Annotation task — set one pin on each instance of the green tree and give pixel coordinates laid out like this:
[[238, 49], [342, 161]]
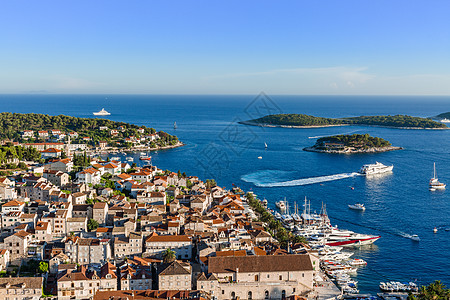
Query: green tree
[[92, 225], [43, 267], [434, 291], [168, 255]]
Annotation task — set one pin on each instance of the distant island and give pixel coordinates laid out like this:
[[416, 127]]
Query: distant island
[[41, 128], [444, 115], [307, 121], [348, 144]]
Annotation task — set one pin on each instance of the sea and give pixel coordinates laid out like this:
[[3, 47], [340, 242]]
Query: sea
[[398, 205]]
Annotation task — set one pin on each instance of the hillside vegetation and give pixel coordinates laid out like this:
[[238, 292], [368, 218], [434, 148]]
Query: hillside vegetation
[[12, 124], [355, 140]]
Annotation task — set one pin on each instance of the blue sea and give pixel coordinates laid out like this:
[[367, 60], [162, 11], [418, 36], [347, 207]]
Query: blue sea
[[398, 205]]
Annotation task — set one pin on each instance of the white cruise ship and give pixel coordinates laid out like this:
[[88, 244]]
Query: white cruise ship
[[376, 168], [445, 120], [103, 112]]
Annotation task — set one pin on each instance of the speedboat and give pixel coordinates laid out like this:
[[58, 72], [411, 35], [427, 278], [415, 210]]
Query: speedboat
[[103, 112], [434, 182], [376, 168], [415, 238], [144, 157], [259, 157], [357, 206]]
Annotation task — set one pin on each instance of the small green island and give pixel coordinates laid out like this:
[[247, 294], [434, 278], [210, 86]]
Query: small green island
[[349, 144], [307, 121]]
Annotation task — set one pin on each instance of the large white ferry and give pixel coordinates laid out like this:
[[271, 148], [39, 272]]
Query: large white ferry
[[445, 120], [376, 168], [103, 112]]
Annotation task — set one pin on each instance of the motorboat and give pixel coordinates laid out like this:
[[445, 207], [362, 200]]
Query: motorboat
[[103, 112], [415, 238], [434, 182], [259, 157], [145, 157], [376, 168], [357, 262], [130, 158], [357, 206], [445, 120], [281, 205]]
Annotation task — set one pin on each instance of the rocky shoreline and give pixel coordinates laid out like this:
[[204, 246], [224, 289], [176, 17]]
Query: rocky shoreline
[[350, 150]]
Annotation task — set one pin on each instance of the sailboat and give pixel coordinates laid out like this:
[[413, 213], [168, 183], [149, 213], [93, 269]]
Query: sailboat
[[175, 125], [434, 182], [265, 145]]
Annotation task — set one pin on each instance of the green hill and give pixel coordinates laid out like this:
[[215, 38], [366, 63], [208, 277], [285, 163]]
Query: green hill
[[398, 121], [13, 124]]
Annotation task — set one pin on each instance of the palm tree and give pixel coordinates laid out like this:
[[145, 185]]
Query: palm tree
[[169, 255], [434, 291]]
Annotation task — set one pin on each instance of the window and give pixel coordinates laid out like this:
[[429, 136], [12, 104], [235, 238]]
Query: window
[[303, 274], [293, 290], [283, 294], [249, 295], [233, 295], [266, 294], [281, 277], [256, 277]]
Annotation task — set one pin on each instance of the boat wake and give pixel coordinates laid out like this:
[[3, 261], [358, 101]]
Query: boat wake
[[302, 181]]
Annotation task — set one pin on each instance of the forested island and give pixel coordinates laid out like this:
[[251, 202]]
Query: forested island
[[444, 115], [355, 143], [40, 127], [307, 121]]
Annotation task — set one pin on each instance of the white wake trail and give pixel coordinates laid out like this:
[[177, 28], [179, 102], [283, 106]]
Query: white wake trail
[[306, 181]]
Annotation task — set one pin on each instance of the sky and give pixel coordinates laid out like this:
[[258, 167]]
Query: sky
[[326, 47]]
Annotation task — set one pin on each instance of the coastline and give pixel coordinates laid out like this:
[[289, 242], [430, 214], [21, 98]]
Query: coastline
[[337, 125], [354, 151], [112, 150]]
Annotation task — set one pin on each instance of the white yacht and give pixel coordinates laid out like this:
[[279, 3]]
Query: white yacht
[[281, 205], [103, 112], [434, 182], [445, 120], [376, 168], [357, 206]]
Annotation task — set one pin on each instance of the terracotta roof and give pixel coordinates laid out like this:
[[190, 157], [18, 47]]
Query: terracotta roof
[[250, 264], [22, 234], [22, 282], [167, 238], [51, 150], [232, 253], [174, 268], [100, 205], [13, 203]]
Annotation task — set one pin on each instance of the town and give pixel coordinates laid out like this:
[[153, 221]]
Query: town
[[74, 226]]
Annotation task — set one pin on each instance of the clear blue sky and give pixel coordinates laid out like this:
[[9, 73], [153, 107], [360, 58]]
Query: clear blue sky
[[225, 47]]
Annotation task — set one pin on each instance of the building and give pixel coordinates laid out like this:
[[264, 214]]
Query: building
[[57, 178], [64, 165], [156, 244], [175, 276], [100, 212], [128, 246], [258, 277], [50, 153], [21, 288], [84, 283]]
